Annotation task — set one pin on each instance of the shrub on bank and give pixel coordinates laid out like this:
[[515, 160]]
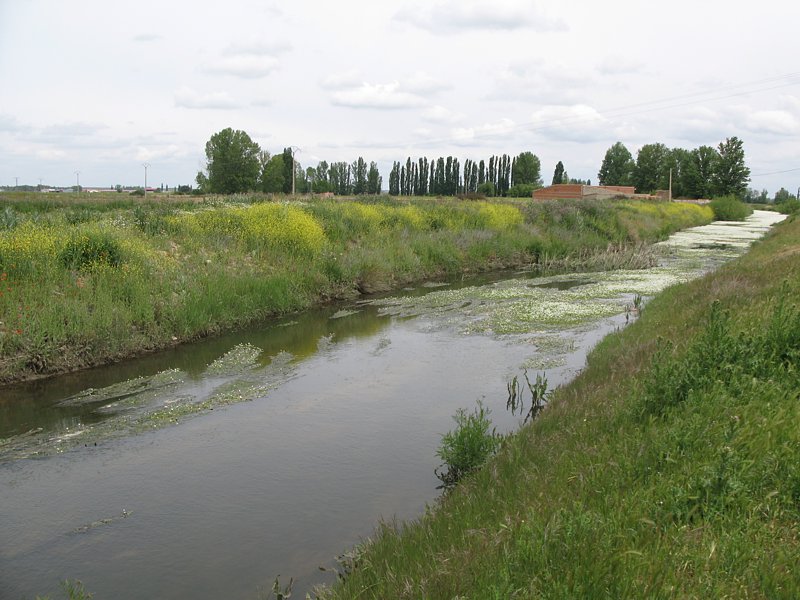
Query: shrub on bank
[[730, 208], [789, 207]]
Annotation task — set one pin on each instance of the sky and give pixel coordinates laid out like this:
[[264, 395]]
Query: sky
[[103, 87]]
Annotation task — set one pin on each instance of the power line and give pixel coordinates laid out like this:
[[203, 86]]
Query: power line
[[752, 87], [775, 172]]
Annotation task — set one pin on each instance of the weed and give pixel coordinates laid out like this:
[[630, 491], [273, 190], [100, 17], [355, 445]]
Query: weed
[[8, 218], [73, 589], [538, 392], [467, 447], [91, 249]]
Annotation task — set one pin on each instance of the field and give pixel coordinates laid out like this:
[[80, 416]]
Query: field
[[90, 280]]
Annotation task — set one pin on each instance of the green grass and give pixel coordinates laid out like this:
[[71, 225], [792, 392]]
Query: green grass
[[670, 468], [86, 280]]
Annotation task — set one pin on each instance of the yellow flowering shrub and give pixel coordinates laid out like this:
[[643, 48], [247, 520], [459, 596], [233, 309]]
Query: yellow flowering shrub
[[27, 246], [285, 226], [499, 217]]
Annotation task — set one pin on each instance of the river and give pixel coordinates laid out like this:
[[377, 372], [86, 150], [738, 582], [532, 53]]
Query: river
[[208, 470]]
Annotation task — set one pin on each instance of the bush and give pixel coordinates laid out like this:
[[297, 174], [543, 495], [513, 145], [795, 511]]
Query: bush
[[730, 208], [521, 190], [467, 447], [91, 249], [789, 207], [8, 218], [486, 189]]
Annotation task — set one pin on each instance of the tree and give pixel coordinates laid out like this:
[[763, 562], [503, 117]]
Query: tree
[[273, 175], [679, 161], [731, 174], [652, 168], [374, 180], [232, 163], [699, 172], [783, 195], [394, 179], [617, 167], [288, 168], [321, 182], [359, 171], [558, 174]]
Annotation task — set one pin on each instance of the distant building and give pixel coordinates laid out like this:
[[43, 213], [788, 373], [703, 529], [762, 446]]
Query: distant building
[[576, 191]]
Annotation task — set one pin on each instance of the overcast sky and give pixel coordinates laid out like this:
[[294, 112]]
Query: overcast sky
[[101, 87]]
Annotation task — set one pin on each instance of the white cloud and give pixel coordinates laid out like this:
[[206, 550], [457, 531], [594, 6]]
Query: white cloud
[[386, 96], [69, 130], [342, 81], [146, 37], [501, 129], [454, 16], [244, 65], [777, 122], [9, 123], [186, 97], [576, 123], [50, 154], [160, 154], [440, 114], [251, 60], [425, 84], [620, 65], [257, 48], [549, 83]]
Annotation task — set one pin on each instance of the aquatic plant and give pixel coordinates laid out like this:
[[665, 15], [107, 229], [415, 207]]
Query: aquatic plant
[[538, 391]]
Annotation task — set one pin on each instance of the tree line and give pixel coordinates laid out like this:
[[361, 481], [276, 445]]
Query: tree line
[[702, 172], [235, 163], [499, 176]]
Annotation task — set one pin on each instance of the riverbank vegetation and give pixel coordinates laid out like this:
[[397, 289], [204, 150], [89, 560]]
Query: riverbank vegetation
[[730, 208], [92, 281], [669, 468]]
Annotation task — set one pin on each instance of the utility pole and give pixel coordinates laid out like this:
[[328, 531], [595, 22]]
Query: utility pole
[[78, 181], [670, 185], [294, 166], [145, 165], [16, 183]]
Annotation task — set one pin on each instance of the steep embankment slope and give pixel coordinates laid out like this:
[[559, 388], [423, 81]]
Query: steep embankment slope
[[669, 468]]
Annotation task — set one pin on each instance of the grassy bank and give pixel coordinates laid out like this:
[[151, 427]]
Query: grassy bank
[[669, 468], [90, 280]]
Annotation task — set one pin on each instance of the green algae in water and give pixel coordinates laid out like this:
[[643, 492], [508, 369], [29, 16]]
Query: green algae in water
[[126, 389], [149, 403], [344, 313], [519, 306], [241, 357]]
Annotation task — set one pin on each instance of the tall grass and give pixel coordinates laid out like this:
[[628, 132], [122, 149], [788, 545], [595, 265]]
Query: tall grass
[[670, 468], [88, 280]]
